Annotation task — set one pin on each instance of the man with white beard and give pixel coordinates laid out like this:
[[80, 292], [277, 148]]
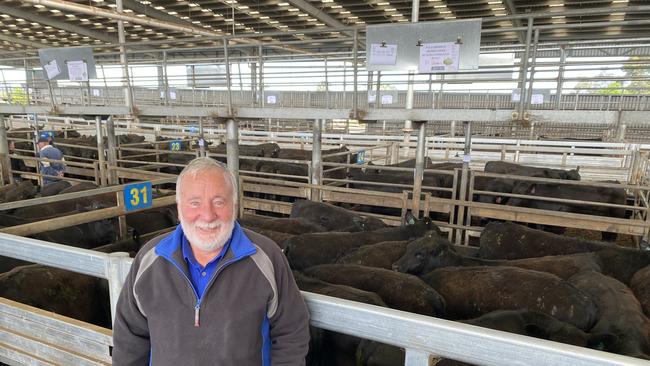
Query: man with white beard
[[210, 292]]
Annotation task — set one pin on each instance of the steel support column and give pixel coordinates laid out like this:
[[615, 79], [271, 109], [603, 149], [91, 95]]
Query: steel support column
[[464, 180], [529, 95], [4, 152], [100, 151], [232, 149], [316, 159], [111, 152], [128, 92], [228, 81], [523, 72], [560, 77], [418, 174], [408, 124]]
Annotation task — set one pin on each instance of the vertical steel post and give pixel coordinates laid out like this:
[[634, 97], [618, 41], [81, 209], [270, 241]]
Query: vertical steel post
[[228, 81], [408, 124], [418, 174], [463, 181], [327, 85], [261, 73], [560, 77], [111, 152], [529, 95], [253, 82], [232, 148], [4, 152], [166, 79], [355, 68], [316, 159], [524, 69], [100, 150], [27, 81], [378, 91], [116, 272], [128, 92], [201, 138]]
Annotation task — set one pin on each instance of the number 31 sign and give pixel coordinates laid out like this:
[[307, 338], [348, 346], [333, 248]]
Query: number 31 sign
[[137, 196]]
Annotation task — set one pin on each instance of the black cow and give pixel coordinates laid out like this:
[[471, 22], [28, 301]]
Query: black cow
[[334, 218], [398, 290], [572, 192], [380, 255], [308, 250], [474, 291], [512, 241], [433, 251], [619, 313], [294, 226], [640, 285], [504, 167]]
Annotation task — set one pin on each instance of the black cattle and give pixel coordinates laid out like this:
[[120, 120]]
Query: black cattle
[[327, 347], [398, 290], [308, 250], [17, 191], [334, 218], [39, 212], [572, 192], [512, 241], [504, 167], [619, 313], [474, 291], [433, 251], [640, 285], [278, 237], [63, 292], [292, 226], [152, 220], [54, 188], [380, 255]]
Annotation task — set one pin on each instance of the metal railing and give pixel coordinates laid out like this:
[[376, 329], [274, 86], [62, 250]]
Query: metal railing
[[422, 337]]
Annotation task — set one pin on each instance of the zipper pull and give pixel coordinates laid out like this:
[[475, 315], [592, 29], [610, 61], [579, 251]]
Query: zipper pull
[[196, 315]]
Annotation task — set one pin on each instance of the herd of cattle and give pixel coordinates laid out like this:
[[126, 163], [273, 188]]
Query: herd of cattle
[[520, 280]]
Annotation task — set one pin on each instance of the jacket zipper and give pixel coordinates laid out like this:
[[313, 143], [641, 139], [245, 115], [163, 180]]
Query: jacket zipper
[[197, 307]]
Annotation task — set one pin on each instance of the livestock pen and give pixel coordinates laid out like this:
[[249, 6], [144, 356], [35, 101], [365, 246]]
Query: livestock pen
[[31, 336]]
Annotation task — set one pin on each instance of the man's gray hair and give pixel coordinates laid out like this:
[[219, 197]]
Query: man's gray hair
[[204, 164]]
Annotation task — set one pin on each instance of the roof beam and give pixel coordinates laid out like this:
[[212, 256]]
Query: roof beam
[[316, 13], [510, 7], [154, 13], [24, 42], [36, 17]]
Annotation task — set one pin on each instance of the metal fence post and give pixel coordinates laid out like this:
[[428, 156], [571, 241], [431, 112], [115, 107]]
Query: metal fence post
[[316, 159], [464, 181], [4, 153], [232, 147], [112, 148], [100, 150], [419, 167], [116, 272]]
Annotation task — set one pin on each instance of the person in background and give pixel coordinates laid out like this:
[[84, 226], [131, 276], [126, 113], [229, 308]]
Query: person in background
[[211, 292], [50, 170]]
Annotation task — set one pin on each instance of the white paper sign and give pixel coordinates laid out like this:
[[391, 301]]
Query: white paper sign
[[270, 99], [372, 98], [51, 69], [96, 93], [77, 70], [172, 95], [439, 57], [383, 55], [537, 99], [387, 99], [515, 97]]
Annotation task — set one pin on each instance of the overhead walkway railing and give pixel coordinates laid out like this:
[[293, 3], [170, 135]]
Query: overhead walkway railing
[[32, 337]]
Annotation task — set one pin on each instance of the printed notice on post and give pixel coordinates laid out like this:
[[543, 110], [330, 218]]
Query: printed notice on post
[[439, 57], [51, 69], [383, 54], [77, 70]]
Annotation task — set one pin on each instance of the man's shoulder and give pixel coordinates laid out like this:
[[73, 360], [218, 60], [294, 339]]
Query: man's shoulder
[[264, 243]]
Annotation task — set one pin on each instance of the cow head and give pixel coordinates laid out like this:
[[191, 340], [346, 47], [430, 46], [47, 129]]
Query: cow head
[[573, 174], [426, 254], [522, 188]]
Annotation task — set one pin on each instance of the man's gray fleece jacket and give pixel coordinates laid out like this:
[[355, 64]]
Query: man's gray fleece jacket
[[251, 312]]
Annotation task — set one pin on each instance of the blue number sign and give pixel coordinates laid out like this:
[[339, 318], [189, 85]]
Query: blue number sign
[[175, 145], [137, 196], [361, 157]]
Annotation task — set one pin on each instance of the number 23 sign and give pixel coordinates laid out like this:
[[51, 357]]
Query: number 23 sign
[[137, 196]]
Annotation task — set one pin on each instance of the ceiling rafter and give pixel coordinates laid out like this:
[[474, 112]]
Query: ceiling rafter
[[36, 17]]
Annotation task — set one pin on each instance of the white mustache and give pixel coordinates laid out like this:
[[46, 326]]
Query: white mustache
[[208, 225]]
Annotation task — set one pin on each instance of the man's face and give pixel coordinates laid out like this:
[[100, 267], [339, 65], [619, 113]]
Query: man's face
[[206, 210]]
